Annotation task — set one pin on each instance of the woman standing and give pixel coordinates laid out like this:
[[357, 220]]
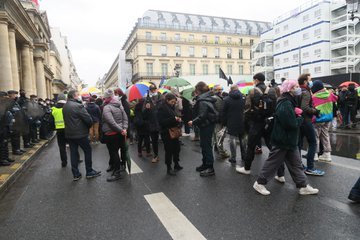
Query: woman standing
[[168, 120], [114, 127], [284, 139]]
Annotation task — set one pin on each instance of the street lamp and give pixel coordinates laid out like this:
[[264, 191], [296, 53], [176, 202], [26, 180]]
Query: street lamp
[[352, 6], [177, 70]]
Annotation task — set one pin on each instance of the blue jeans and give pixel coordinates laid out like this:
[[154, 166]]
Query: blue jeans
[[307, 130], [74, 155], [206, 134]]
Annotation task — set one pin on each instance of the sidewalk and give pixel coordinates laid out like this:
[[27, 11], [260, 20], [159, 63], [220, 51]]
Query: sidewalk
[[9, 174], [346, 131]]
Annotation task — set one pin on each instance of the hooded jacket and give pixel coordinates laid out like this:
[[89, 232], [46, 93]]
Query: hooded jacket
[[114, 118], [306, 104], [323, 100], [204, 110], [233, 113], [94, 111]]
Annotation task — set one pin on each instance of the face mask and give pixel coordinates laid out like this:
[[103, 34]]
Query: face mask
[[310, 84], [297, 92], [79, 99]]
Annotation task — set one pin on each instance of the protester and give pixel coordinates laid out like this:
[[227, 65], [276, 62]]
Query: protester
[[114, 127], [142, 129], [307, 129], [59, 125], [323, 101], [233, 119], [23, 101], [6, 121], [77, 124], [18, 114], [168, 121], [186, 115], [95, 113], [284, 138], [205, 117], [351, 103], [259, 107]]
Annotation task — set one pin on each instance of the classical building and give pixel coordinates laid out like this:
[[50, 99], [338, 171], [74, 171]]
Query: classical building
[[56, 67], [24, 48], [196, 45]]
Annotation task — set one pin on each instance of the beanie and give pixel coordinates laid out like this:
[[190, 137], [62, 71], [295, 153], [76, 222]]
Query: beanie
[[317, 86], [287, 85], [109, 93]]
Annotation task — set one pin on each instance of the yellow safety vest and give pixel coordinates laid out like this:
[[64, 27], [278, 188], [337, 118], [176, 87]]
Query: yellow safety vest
[[58, 117]]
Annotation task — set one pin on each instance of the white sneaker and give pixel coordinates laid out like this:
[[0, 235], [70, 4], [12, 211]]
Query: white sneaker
[[186, 134], [242, 170], [308, 190], [325, 157], [280, 179], [261, 189], [316, 157]]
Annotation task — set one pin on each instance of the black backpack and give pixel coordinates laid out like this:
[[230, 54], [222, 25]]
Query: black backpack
[[262, 105]]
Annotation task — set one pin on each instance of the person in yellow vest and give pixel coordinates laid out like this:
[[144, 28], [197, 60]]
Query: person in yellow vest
[[58, 119]]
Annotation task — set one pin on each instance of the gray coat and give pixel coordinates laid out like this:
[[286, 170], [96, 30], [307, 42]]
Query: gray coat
[[77, 120], [114, 118]]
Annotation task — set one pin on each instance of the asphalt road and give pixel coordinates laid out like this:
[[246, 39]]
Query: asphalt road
[[46, 204]]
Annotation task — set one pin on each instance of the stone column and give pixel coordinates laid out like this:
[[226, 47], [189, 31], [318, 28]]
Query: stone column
[[5, 60], [13, 56], [40, 77], [27, 83], [33, 73]]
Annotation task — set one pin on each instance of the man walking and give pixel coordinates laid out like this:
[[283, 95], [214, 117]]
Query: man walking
[[78, 121]]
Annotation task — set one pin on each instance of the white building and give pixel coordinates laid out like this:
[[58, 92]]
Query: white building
[[317, 38]]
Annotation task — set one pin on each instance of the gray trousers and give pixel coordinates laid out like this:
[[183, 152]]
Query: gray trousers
[[276, 158], [219, 148], [322, 135]]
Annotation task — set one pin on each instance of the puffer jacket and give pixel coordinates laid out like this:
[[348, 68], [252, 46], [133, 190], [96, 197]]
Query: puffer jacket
[[324, 100], [114, 118], [204, 110], [306, 104], [233, 113], [77, 120], [94, 111]]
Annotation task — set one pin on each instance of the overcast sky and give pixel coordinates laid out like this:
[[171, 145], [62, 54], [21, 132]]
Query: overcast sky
[[97, 29]]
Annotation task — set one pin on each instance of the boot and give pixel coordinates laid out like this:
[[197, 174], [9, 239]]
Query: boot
[[115, 176], [4, 163], [200, 168], [177, 167], [170, 171]]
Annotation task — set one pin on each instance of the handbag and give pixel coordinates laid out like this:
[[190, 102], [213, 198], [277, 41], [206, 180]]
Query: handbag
[[175, 132]]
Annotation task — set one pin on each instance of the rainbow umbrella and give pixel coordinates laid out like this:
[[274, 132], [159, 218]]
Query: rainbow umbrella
[[245, 90], [90, 90], [137, 91], [211, 85], [163, 90]]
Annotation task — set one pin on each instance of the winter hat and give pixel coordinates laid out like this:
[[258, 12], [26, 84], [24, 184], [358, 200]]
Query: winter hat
[[109, 93], [317, 86], [287, 85], [61, 98]]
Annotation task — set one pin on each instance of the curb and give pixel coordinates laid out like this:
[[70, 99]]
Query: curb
[[18, 172]]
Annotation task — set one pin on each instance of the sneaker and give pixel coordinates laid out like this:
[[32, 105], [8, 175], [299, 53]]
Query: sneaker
[[155, 159], [232, 160], [316, 157], [308, 190], [77, 178], [201, 168], [178, 168], [207, 172], [354, 198], [186, 134], [280, 179], [261, 189], [115, 176], [325, 157], [314, 172], [242, 170], [93, 174], [63, 164], [4, 163]]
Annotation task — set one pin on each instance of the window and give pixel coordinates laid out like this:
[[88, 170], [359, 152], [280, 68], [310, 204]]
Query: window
[[286, 60], [217, 52], [317, 69], [241, 41], [177, 37], [148, 49], [191, 37], [192, 69], [164, 69], [228, 40], [286, 74], [229, 69], [277, 30], [296, 57], [317, 32], [277, 46], [204, 39], [191, 52], [217, 67], [277, 61], [148, 35], [317, 52], [305, 36], [163, 50], [306, 70], [317, 13], [163, 36], [286, 27], [286, 43], [204, 52], [189, 25], [149, 69], [251, 42], [228, 53], [306, 18], [277, 76], [305, 55], [178, 51], [241, 69], [216, 39], [205, 69]]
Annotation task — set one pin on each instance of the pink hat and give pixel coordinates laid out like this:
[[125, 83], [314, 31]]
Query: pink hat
[[287, 85]]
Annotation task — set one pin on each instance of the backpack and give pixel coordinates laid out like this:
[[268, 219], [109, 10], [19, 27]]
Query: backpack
[[262, 105], [214, 116]]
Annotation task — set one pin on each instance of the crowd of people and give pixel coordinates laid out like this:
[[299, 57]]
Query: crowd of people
[[283, 115]]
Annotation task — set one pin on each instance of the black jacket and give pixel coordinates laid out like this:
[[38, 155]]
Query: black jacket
[[150, 115], [166, 115], [187, 110], [94, 111], [233, 113], [77, 120], [140, 122], [204, 110]]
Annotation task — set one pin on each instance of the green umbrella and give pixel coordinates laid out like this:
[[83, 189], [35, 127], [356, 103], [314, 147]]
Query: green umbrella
[[187, 93], [176, 82]]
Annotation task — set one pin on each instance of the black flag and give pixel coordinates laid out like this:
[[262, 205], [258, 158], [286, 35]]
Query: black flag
[[222, 74], [230, 82]]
